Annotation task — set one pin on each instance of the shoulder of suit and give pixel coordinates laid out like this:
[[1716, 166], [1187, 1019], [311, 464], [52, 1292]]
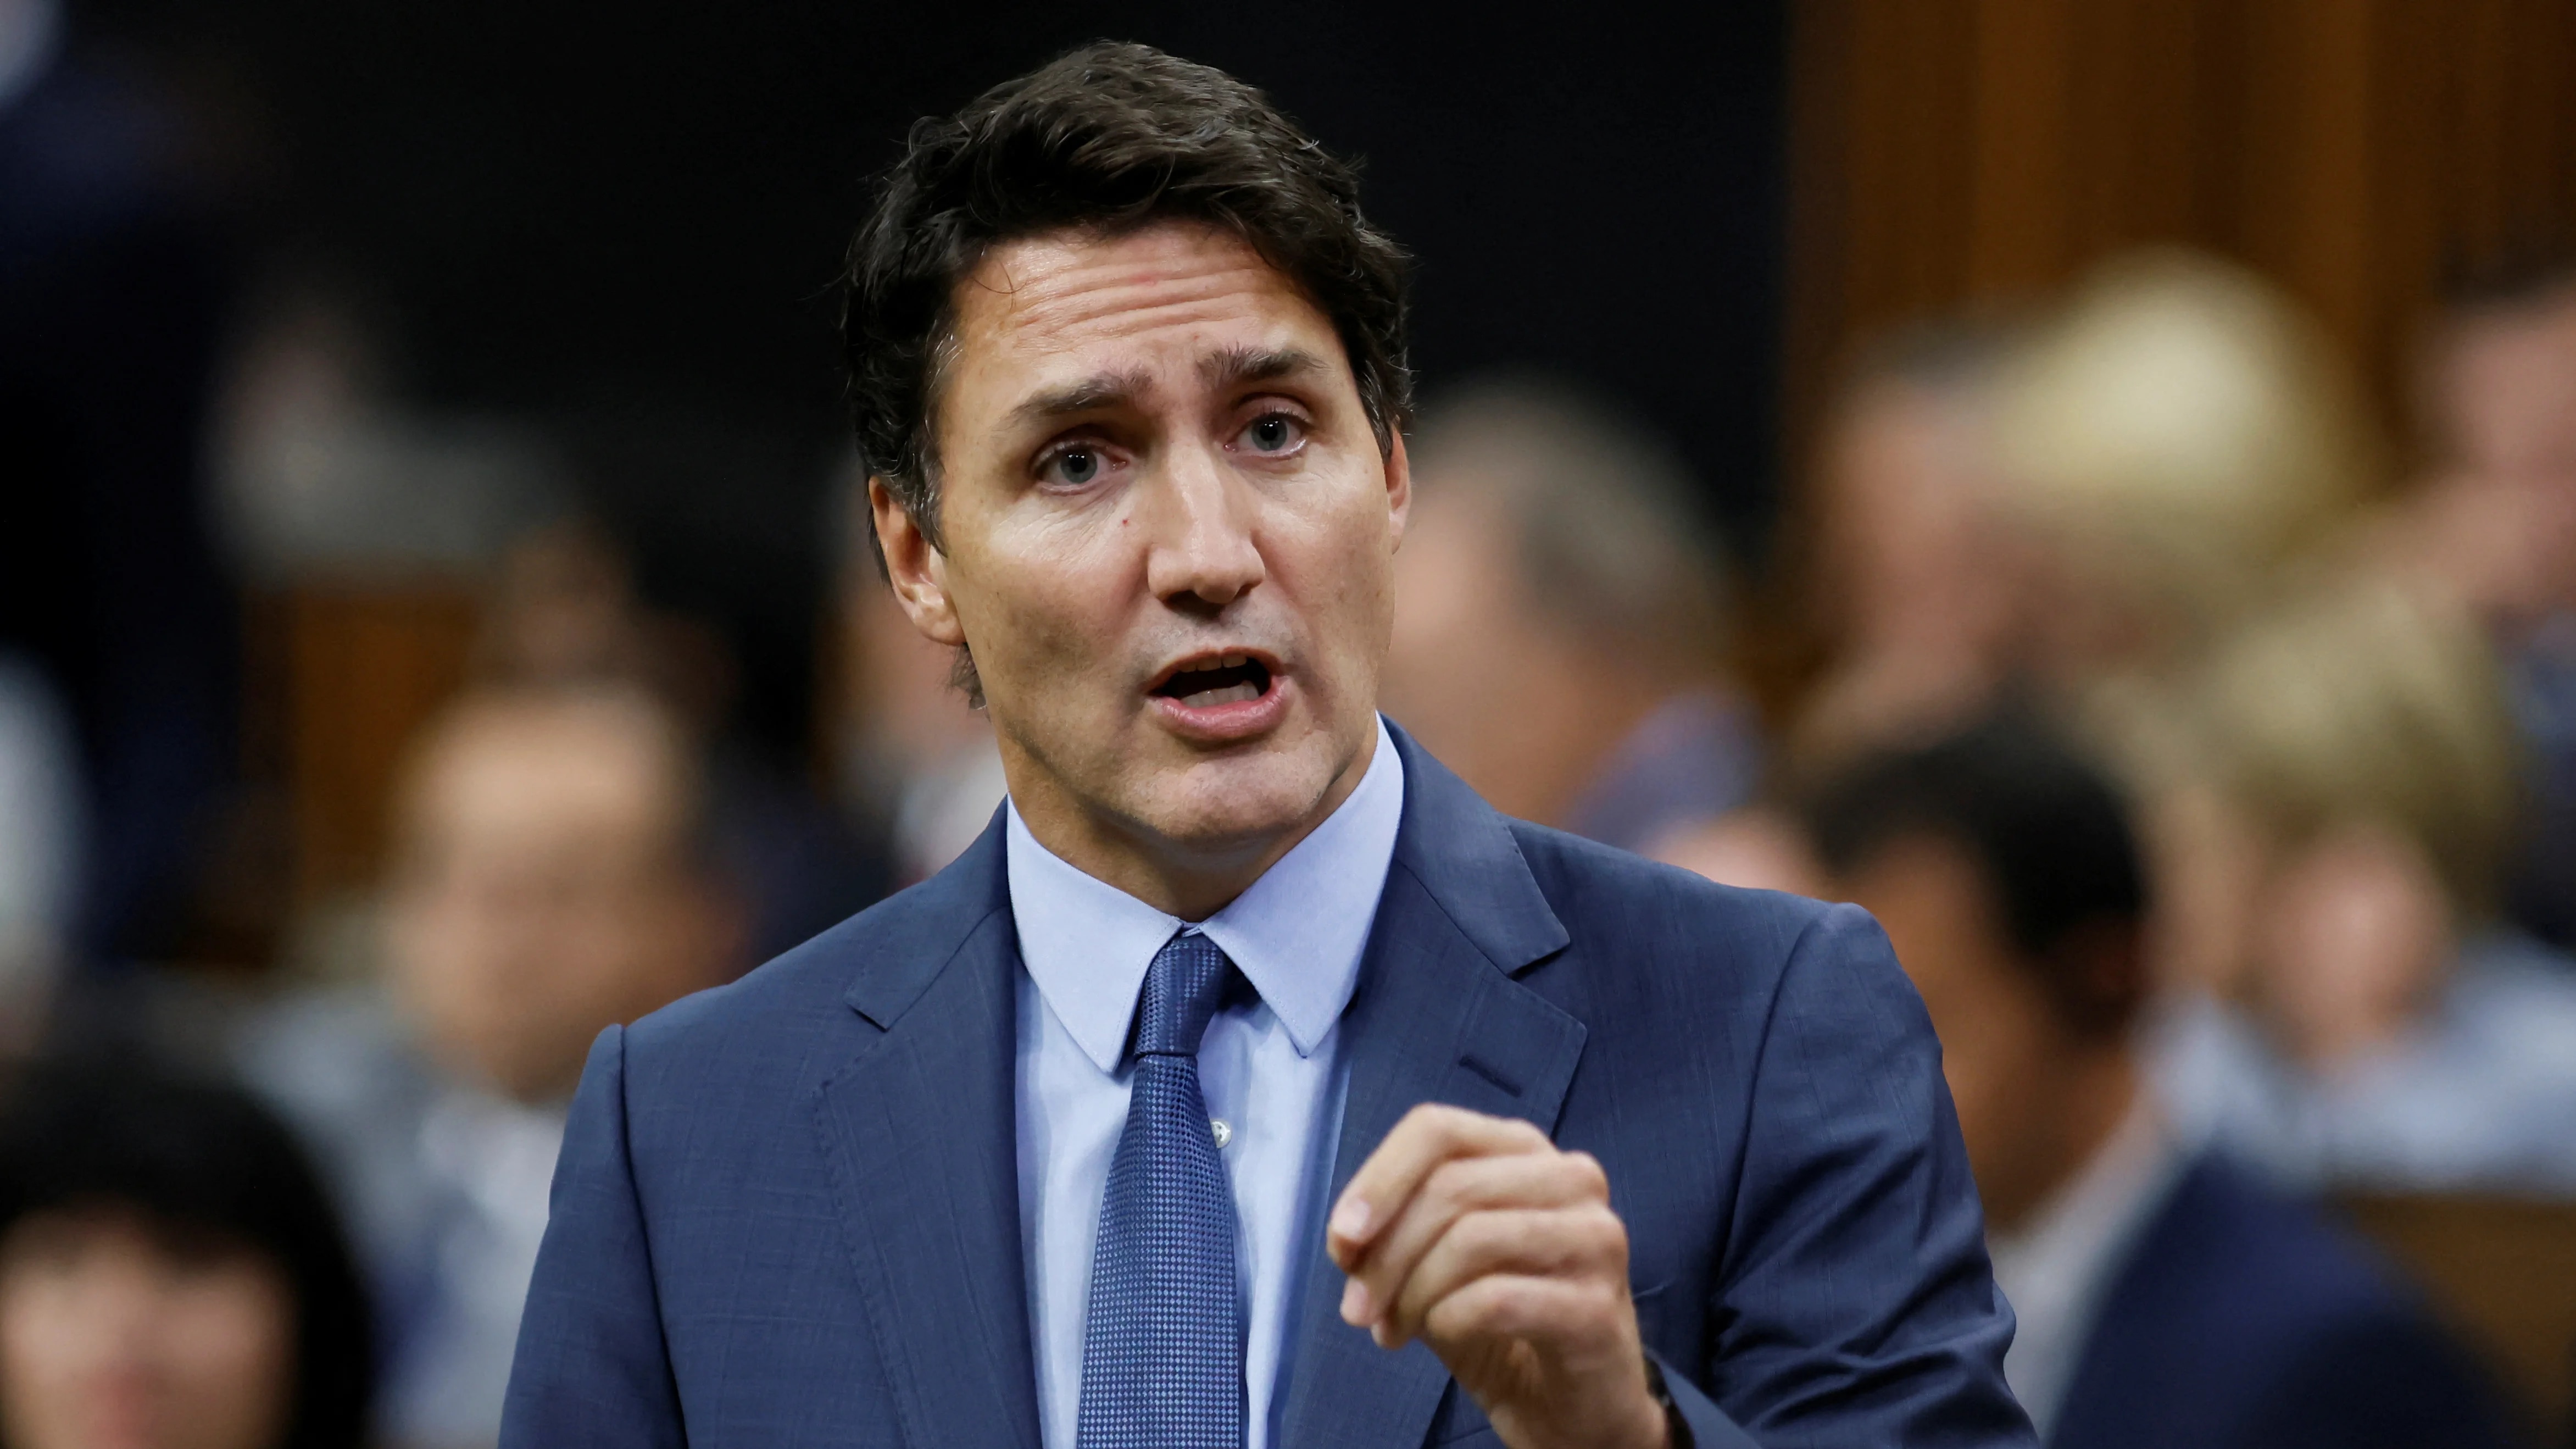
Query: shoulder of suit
[[809, 984], [1595, 889], [2260, 1254]]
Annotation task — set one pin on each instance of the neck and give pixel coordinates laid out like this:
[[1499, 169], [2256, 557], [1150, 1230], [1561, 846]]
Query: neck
[[2094, 1100], [1185, 877]]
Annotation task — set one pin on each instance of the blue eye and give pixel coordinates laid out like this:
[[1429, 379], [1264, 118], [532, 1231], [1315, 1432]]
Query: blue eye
[[1273, 433], [1076, 466]]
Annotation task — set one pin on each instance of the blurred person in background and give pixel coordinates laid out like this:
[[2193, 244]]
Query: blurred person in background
[[550, 879], [918, 763], [2063, 514], [2171, 442], [566, 614], [1914, 567], [1561, 618], [171, 1273], [2164, 1296], [2494, 528], [2351, 1011], [1915, 578], [40, 849], [114, 280]]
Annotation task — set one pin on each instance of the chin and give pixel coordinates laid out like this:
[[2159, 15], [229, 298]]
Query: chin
[[1243, 801]]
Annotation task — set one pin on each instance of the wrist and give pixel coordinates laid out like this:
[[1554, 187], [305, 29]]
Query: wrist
[[1670, 1430]]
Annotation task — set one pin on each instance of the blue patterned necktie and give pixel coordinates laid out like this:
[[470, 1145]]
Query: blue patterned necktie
[[1162, 1350]]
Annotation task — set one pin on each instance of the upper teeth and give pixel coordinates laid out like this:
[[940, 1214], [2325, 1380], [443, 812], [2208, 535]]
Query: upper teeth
[[1232, 661]]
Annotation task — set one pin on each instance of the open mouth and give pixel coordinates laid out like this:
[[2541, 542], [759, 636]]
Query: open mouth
[[1233, 679]]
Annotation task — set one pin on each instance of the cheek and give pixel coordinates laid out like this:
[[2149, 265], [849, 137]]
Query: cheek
[[229, 1343], [1336, 565], [230, 1325], [1037, 598], [41, 1341]]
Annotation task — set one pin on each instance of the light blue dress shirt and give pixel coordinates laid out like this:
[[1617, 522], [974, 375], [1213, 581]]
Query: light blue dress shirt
[[1267, 1069]]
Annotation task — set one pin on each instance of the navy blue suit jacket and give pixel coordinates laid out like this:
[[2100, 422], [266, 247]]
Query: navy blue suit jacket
[[2243, 1320], [787, 1211]]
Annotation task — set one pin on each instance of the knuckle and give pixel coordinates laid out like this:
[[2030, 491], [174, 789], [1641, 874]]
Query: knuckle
[[1449, 1187], [1608, 1233], [1440, 1122], [1475, 1236], [1589, 1172]]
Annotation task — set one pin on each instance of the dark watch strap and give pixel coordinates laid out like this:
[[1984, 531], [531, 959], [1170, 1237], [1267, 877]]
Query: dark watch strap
[[1673, 1420]]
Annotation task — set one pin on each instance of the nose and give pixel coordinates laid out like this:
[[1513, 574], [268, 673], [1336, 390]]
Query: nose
[[1201, 553]]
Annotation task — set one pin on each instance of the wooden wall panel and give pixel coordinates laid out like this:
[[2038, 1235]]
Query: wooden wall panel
[[366, 667], [1955, 152]]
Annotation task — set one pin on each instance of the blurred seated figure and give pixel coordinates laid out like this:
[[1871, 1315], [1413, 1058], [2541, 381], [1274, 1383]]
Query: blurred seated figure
[[1915, 582], [2494, 528], [1560, 618], [549, 879], [40, 848], [115, 292], [1916, 572], [2350, 1012], [2165, 1296], [171, 1274], [2171, 442], [567, 613]]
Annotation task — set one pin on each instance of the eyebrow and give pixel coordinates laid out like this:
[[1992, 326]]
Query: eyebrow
[[1233, 367], [1090, 394], [1238, 365]]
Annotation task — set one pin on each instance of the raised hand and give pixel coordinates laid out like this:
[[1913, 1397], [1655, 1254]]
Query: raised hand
[[1477, 1236]]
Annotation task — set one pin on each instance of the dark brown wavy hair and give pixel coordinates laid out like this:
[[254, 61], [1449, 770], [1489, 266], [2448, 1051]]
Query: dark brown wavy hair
[[1110, 137]]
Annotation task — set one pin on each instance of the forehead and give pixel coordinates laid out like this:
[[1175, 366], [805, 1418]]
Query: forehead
[[1054, 303], [538, 770]]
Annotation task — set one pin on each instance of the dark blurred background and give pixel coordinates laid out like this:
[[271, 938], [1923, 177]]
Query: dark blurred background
[[432, 620]]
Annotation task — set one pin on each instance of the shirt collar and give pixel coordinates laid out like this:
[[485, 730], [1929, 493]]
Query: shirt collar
[[1297, 933], [2055, 1271]]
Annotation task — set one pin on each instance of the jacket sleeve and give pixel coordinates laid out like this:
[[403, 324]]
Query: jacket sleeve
[[592, 1368], [1854, 1303]]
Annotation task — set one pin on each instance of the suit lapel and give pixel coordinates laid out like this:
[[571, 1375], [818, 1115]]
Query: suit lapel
[[1437, 1017], [919, 1130]]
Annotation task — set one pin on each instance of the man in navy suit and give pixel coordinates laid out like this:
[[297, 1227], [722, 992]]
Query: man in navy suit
[[1250, 1082], [2167, 1299]]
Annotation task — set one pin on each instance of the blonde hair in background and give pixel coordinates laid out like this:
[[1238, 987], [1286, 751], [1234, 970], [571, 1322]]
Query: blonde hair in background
[[2176, 433], [2360, 702]]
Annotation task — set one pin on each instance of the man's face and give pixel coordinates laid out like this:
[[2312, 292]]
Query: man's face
[[540, 894], [2507, 393], [2002, 1055], [1169, 539]]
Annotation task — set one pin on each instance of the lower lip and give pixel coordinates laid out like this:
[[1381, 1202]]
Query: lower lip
[[1225, 723]]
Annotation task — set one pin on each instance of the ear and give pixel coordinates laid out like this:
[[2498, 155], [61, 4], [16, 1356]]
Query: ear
[[1399, 489], [916, 568]]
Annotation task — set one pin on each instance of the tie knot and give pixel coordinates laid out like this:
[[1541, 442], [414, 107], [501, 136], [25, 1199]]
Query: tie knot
[[1183, 989]]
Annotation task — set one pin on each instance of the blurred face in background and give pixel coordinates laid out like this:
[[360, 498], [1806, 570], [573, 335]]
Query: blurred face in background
[[1917, 558], [1168, 540], [545, 889], [116, 1333], [2502, 529], [1999, 1049], [2340, 941], [2034, 1094], [1479, 674], [2507, 391]]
